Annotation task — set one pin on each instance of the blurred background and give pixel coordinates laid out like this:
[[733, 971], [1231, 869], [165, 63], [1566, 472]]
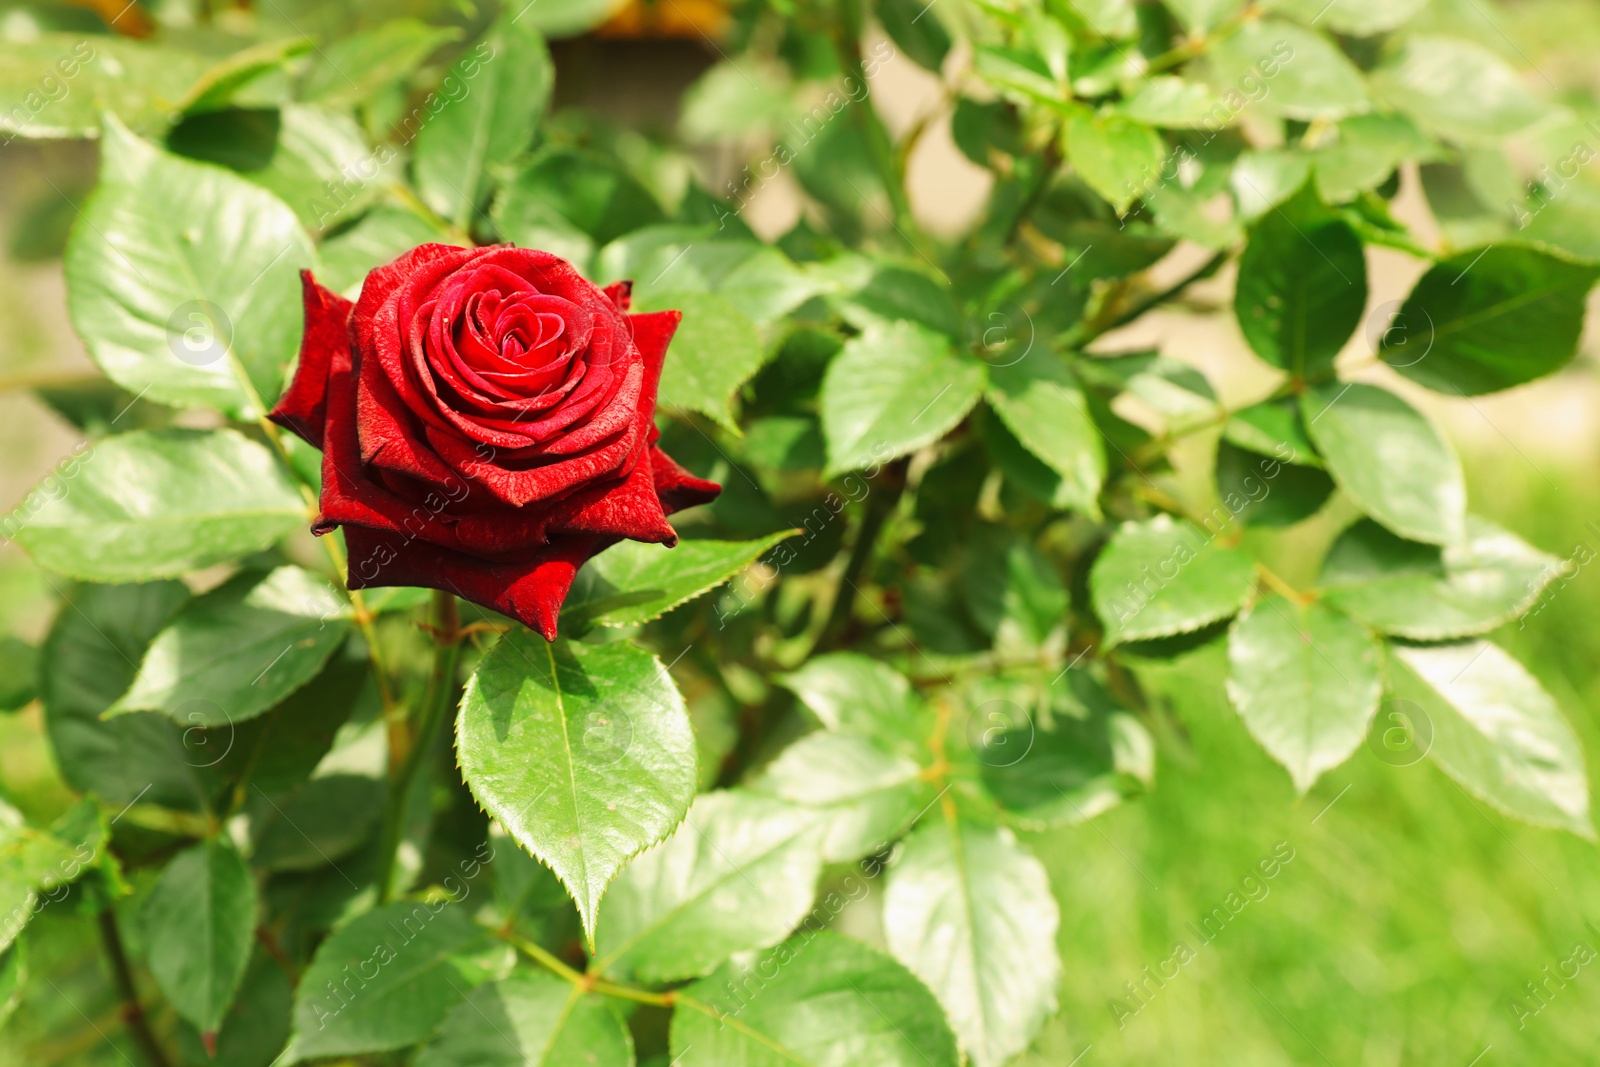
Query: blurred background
[[1410, 921]]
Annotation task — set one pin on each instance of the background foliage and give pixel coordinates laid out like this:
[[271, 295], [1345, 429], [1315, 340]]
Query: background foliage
[[1029, 694]]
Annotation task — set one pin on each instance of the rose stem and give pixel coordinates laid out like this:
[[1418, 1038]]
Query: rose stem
[[441, 688]]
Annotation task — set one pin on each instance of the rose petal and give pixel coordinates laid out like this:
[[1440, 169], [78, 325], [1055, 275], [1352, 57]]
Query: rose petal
[[303, 408], [620, 294], [677, 488], [530, 591]]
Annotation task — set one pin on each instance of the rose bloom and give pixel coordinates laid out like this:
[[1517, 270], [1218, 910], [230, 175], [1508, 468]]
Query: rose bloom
[[485, 417]]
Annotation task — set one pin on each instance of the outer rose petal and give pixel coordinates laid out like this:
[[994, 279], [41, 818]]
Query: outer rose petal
[[530, 592], [621, 294], [303, 408], [677, 488]]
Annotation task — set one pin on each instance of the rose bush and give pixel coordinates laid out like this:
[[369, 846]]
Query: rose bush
[[485, 420]]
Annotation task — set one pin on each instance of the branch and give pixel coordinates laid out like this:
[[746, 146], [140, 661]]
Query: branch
[[132, 1013]]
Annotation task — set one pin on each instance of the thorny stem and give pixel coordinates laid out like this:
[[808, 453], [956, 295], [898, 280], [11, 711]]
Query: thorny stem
[[132, 1013], [441, 688]]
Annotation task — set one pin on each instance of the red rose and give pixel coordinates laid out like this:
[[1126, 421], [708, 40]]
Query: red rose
[[485, 421]]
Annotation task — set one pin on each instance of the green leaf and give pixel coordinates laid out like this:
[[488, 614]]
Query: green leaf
[[31, 860], [969, 911], [733, 101], [1169, 101], [19, 673], [1302, 286], [892, 390], [386, 979], [830, 1001], [141, 82], [1171, 387], [1272, 428], [321, 166], [255, 1028], [199, 922], [853, 693], [1482, 321], [183, 280], [379, 238], [1263, 178], [633, 582], [230, 655], [1496, 731], [315, 824], [1305, 74], [1202, 15], [583, 752], [1367, 151], [1457, 90], [1116, 155], [715, 351], [351, 70], [1019, 74], [1160, 577], [868, 795], [1428, 593], [218, 86], [1390, 458], [1040, 402], [1306, 681], [902, 294], [13, 975], [568, 18], [1360, 18], [1260, 490], [916, 30], [740, 873], [88, 660], [505, 84], [1057, 761], [530, 1019], [156, 503], [581, 189]]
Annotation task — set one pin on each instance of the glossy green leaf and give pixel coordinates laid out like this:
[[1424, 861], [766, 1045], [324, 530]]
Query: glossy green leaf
[[1495, 730], [580, 189], [1272, 428], [235, 652], [916, 30], [32, 861], [255, 1029], [1482, 321], [183, 280], [740, 873], [531, 1019], [633, 582], [868, 795], [892, 390], [1260, 490], [901, 294], [1390, 458], [1367, 150], [88, 660], [1361, 18], [1041, 403], [1428, 593], [969, 911], [223, 81], [380, 237], [351, 70], [1169, 101], [140, 81], [1263, 178], [1457, 89], [583, 752], [19, 673], [716, 350], [1057, 761], [504, 85], [322, 167], [1302, 286], [157, 503], [1306, 680], [1160, 577], [1306, 76], [1169, 386], [829, 1002], [199, 922], [1116, 155], [853, 693], [386, 979], [315, 824]]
